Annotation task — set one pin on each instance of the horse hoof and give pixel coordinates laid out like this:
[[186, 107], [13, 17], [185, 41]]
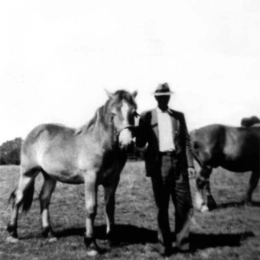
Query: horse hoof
[[52, 239], [12, 240], [204, 209], [212, 207], [92, 252], [113, 243]]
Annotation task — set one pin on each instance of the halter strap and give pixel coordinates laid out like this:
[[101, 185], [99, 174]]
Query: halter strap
[[117, 132]]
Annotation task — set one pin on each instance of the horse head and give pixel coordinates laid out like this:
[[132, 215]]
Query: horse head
[[122, 107]]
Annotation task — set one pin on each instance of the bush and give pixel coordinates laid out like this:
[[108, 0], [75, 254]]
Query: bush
[[10, 152]]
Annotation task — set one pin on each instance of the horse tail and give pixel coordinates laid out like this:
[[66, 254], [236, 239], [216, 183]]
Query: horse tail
[[12, 197], [27, 197]]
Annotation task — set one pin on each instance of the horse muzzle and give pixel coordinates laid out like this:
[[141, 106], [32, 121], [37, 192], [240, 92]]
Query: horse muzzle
[[125, 138]]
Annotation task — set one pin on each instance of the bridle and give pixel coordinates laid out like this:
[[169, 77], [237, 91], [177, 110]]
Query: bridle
[[118, 131], [130, 127]]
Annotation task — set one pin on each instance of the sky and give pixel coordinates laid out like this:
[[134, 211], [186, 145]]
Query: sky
[[58, 57]]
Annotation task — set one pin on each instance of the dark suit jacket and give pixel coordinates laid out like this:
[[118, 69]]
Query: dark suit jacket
[[148, 133]]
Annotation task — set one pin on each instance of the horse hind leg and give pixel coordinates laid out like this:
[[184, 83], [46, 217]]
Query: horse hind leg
[[21, 196], [210, 201], [45, 198], [253, 181]]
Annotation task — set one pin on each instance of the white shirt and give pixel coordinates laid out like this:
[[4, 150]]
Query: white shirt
[[166, 141]]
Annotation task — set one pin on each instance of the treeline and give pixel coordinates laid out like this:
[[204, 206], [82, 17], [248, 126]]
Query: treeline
[[10, 152]]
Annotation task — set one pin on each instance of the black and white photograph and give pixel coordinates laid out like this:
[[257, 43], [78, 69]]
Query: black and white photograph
[[130, 129]]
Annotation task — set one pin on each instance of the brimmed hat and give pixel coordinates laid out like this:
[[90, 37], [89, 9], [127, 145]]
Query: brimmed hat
[[163, 90]]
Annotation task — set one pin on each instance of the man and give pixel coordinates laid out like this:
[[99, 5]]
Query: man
[[168, 162]]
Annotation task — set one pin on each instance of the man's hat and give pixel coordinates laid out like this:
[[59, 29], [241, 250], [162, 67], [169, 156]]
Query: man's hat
[[163, 90]]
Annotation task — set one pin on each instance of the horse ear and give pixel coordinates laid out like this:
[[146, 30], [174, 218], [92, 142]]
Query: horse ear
[[134, 94], [110, 95]]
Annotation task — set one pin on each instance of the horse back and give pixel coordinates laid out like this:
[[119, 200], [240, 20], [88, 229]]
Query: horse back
[[43, 138], [47, 133], [234, 148]]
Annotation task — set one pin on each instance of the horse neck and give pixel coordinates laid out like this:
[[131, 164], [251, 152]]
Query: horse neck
[[102, 121], [101, 126]]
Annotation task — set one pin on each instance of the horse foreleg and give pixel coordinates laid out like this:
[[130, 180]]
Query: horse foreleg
[[254, 179], [91, 211], [210, 201], [110, 208], [45, 198], [199, 202], [202, 188]]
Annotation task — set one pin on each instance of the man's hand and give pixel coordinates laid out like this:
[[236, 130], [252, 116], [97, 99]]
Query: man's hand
[[191, 172]]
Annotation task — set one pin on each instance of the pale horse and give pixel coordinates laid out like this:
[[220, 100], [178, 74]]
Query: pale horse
[[94, 154]]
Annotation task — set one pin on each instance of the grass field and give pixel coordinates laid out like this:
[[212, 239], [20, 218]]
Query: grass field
[[230, 232]]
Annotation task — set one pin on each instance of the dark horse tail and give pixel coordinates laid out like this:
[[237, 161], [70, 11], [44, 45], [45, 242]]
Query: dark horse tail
[[27, 197]]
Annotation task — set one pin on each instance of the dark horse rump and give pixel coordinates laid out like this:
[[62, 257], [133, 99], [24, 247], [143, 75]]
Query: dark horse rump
[[233, 148], [250, 121]]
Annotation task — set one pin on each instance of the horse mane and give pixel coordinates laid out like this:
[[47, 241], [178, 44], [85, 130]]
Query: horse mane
[[101, 113], [93, 122], [124, 95]]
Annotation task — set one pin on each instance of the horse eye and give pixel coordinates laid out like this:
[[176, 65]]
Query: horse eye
[[135, 114], [113, 115]]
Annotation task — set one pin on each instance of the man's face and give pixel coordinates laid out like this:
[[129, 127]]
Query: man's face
[[163, 101]]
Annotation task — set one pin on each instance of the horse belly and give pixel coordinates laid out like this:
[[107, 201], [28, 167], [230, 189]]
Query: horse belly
[[62, 170], [238, 164], [65, 175]]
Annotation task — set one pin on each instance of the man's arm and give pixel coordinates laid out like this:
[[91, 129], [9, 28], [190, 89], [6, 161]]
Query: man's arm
[[191, 169], [141, 133]]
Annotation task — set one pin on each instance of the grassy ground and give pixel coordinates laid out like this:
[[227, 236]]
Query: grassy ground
[[230, 232]]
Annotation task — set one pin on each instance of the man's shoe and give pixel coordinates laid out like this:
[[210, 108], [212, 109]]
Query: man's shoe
[[168, 251]]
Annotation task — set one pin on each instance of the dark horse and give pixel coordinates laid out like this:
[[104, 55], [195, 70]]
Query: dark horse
[[250, 121], [233, 148], [93, 154]]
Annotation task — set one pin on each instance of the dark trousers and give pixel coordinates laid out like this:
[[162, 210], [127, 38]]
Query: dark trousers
[[171, 180]]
